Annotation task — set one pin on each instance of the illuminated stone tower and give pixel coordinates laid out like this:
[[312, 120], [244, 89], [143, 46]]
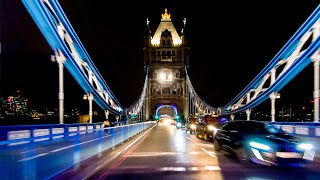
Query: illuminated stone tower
[[166, 55]]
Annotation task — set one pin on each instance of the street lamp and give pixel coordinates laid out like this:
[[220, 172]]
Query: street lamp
[[85, 97], [60, 59], [89, 97], [273, 96]]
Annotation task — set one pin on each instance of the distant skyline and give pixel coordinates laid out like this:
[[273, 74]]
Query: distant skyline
[[231, 42]]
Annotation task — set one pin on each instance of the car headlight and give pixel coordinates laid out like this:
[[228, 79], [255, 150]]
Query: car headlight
[[212, 128], [260, 146], [305, 146], [179, 124], [192, 126]]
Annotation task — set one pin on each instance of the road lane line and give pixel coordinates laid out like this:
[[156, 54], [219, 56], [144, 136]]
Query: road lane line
[[148, 169], [104, 175], [192, 140], [116, 155], [209, 153]]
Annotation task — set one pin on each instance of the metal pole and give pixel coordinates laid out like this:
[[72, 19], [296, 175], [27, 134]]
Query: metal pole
[[90, 98], [106, 112], [60, 59], [273, 96], [61, 93], [316, 92], [273, 106], [248, 112]]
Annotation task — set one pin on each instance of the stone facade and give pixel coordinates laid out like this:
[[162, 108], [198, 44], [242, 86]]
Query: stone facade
[[166, 55]]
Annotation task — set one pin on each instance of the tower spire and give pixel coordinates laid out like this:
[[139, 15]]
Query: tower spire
[[166, 16]]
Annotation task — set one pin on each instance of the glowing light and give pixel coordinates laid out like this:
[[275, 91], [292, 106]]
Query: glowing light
[[162, 76], [259, 146], [166, 24], [166, 16], [305, 146], [257, 154]]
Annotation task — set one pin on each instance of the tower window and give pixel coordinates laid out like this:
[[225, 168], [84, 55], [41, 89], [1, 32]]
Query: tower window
[[163, 42], [169, 42]]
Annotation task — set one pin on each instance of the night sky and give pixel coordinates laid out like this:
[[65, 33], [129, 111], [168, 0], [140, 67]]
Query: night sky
[[231, 42]]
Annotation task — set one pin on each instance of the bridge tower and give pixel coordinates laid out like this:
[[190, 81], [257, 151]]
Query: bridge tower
[[166, 54]]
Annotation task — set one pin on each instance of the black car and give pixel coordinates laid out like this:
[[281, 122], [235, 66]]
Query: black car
[[180, 123], [263, 143]]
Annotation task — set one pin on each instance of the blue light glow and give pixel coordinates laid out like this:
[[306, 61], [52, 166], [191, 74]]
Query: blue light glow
[[259, 146], [305, 146]]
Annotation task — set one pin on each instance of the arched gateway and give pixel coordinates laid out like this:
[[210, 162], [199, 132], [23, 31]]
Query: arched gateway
[[166, 54]]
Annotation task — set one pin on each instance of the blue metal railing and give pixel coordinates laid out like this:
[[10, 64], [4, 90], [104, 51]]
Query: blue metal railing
[[33, 160], [22, 134], [307, 129]]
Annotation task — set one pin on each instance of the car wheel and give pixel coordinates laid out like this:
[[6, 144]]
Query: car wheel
[[205, 137], [217, 146]]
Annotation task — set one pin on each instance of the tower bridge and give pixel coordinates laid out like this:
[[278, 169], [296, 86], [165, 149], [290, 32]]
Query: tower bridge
[[166, 54], [92, 151]]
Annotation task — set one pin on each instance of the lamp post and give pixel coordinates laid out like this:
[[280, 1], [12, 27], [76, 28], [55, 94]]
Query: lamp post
[[273, 96], [89, 97], [60, 59]]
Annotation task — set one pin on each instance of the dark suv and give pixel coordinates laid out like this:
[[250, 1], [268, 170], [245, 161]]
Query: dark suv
[[207, 126]]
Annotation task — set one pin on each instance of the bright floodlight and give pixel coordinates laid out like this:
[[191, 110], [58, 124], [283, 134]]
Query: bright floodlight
[[162, 76]]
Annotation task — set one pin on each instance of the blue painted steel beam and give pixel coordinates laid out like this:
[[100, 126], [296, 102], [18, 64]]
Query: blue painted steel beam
[[47, 22], [295, 69], [285, 52]]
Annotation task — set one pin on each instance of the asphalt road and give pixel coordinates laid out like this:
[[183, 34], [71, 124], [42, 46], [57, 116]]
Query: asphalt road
[[164, 152]]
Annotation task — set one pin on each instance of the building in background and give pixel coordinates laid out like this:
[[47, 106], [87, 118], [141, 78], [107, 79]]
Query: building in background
[[14, 105]]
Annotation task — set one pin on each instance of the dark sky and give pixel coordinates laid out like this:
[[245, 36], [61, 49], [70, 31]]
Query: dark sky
[[231, 42]]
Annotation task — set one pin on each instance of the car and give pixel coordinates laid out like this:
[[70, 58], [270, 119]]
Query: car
[[191, 124], [262, 143], [180, 124], [207, 126], [164, 121]]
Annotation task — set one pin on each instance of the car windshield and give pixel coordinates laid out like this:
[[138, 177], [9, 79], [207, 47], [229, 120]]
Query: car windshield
[[273, 129]]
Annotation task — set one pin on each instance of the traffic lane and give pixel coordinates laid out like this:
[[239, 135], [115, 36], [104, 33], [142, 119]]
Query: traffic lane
[[165, 153]]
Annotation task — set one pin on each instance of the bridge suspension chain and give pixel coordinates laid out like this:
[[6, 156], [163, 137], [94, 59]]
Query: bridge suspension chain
[[202, 106], [138, 105]]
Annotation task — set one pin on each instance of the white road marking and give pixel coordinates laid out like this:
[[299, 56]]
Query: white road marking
[[192, 140], [210, 153]]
